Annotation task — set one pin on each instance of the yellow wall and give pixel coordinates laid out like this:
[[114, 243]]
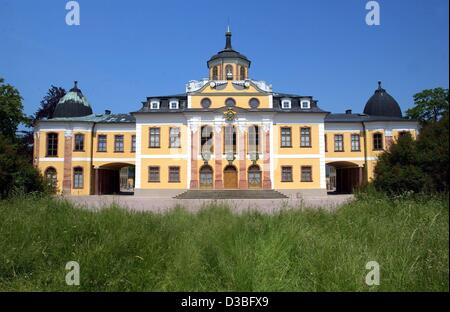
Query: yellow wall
[[347, 144], [163, 165], [110, 145], [295, 139], [164, 148], [296, 172], [241, 100]]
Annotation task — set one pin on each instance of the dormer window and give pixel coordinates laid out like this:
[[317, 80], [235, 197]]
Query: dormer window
[[173, 104], [305, 104], [286, 104], [154, 104]]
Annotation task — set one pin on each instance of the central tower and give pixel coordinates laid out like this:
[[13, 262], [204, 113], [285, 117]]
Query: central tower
[[228, 64]]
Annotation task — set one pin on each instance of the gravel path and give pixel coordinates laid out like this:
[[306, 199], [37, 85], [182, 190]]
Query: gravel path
[[330, 203]]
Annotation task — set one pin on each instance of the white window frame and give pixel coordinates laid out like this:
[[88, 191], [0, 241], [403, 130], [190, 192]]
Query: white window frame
[[177, 104], [154, 102], [308, 106], [286, 101]]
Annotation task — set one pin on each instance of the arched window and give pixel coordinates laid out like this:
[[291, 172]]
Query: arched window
[[78, 178], [206, 177], [51, 177], [254, 176], [229, 139], [242, 73], [52, 144], [215, 73], [253, 140], [206, 142], [377, 141], [229, 72]]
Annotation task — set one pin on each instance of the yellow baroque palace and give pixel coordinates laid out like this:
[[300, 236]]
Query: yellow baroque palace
[[224, 132]]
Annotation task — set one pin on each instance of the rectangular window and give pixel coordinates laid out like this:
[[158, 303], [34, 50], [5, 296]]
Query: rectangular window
[[306, 105], [133, 143], [78, 178], [101, 144], [79, 142], [153, 174], [305, 137], [326, 143], [306, 174], [174, 174], [356, 145], [286, 137], [173, 105], [118, 143], [174, 134], [286, 174], [52, 144], [285, 104], [377, 141], [154, 138], [338, 143]]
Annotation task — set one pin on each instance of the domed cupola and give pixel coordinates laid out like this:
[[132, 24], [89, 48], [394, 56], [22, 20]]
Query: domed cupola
[[228, 64], [73, 104], [382, 104]]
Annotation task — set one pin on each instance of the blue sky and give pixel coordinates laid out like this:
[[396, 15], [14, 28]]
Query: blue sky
[[124, 51]]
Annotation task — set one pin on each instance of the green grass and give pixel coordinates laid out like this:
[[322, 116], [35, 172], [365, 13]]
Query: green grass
[[217, 250]]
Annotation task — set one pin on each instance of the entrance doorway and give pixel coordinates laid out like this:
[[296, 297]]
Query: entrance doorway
[[230, 177], [114, 178], [344, 177], [206, 177], [254, 177]]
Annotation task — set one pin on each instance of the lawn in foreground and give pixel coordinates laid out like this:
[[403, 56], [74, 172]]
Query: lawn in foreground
[[217, 250]]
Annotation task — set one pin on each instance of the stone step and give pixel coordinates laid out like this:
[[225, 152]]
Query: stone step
[[230, 194]]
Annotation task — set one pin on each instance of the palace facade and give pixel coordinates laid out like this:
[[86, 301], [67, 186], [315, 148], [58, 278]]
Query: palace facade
[[225, 132]]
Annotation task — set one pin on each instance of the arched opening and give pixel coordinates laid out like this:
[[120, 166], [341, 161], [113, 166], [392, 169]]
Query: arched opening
[[206, 177], [215, 73], [51, 177], [343, 177], [229, 72], [114, 178], [242, 73], [254, 177], [230, 177]]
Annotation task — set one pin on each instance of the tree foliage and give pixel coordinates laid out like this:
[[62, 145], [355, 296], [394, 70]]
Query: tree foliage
[[416, 165], [429, 105], [17, 172], [49, 102], [11, 114]]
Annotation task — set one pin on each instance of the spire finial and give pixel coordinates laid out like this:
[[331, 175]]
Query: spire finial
[[75, 84], [228, 39], [379, 85]]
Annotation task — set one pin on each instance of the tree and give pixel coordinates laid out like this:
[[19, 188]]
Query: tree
[[16, 170], [416, 165], [429, 105], [11, 114], [49, 102]]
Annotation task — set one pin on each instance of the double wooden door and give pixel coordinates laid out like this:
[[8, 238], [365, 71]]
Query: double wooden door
[[230, 177]]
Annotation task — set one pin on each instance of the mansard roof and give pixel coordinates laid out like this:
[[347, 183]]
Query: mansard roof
[[98, 118], [348, 118]]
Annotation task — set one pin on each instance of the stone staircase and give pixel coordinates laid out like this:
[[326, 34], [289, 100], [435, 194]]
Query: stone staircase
[[230, 194]]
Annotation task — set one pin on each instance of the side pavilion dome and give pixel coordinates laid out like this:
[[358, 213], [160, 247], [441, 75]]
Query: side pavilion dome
[[73, 104], [382, 104]]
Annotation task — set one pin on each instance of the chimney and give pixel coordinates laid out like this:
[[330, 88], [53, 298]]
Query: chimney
[[107, 112], [348, 112]]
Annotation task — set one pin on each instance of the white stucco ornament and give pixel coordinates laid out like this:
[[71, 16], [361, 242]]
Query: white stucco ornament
[[212, 84]]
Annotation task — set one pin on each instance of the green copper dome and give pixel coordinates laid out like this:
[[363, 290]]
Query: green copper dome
[[73, 104]]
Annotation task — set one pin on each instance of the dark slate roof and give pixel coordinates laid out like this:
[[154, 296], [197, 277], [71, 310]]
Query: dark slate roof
[[73, 104], [98, 118], [361, 117], [382, 104], [228, 51]]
